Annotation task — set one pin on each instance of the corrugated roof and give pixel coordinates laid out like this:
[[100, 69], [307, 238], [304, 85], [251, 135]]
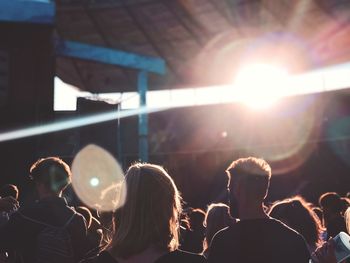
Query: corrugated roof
[[202, 41]]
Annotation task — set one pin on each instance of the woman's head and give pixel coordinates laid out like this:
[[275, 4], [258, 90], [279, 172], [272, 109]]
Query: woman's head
[[150, 214], [298, 215]]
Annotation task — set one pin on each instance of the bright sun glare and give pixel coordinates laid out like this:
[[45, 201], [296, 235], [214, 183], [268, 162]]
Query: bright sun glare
[[260, 85]]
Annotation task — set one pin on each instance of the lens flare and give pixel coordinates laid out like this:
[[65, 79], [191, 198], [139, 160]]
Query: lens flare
[[260, 85], [97, 179], [94, 181], [285, 139]]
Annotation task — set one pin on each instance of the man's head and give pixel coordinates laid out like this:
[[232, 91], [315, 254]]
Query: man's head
[[249, 178], [51, 175]]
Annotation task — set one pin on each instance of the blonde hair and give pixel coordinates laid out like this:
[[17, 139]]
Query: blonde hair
[[150, 215], [347, 219]]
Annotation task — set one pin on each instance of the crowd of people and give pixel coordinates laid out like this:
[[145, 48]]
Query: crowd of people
[[153, 227]]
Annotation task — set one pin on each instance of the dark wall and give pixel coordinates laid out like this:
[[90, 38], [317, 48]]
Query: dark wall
[[26, 92]]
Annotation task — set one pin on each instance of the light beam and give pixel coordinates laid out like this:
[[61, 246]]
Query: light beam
[[73, 123]]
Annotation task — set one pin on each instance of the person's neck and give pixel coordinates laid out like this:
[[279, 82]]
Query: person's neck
[[251, 211]]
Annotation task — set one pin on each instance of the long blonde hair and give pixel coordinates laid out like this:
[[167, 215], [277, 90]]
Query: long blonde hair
[[150, 214]]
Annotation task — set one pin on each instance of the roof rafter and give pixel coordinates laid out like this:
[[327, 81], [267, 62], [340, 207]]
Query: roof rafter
[[110, 56]]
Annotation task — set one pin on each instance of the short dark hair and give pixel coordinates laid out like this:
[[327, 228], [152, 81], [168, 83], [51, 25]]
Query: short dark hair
[[9, 190], [255, 172], [53, 172], [331, 201]]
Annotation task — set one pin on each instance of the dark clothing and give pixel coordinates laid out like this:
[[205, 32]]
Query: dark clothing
[[193, 240], [20, 232], [176, 256], [258, 240], [335, 226]]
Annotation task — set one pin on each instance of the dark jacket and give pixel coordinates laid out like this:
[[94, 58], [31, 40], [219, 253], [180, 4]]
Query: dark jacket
[[20, 233], [258, 240]]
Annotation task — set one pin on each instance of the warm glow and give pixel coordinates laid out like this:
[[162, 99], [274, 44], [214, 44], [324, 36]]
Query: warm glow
[[260, 85]]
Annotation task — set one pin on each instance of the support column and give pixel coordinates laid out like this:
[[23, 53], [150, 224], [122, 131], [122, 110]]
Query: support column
[[142, 86]]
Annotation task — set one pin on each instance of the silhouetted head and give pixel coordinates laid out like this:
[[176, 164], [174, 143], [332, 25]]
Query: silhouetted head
[[331, 204], [150, 215], [51, 175], [9, 190], [196, 218], [249, 178], [297, 214], [217, 217]]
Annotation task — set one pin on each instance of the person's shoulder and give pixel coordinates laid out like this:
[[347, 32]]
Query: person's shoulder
[[288, 234], [29, 210], [181, 256], [226, 233], [278, 226], [41, 206], [103, 257]]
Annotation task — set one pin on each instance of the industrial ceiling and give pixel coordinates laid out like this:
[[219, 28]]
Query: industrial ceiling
[[202, 42]]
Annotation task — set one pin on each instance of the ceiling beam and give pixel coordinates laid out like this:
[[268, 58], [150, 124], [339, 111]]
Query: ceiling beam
[[36, 12], [110, 56]]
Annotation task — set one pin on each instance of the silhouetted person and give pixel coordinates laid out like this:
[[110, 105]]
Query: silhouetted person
[[9, 190], [8, 205], [326, 253], [333, 219], [194, 235], [256, 237], [217, 217], [31, 230], [9, 196], [297, 214], [146, 226]]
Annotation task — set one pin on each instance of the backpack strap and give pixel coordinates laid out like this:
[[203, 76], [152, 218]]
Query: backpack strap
[[33, 220], [70, 219], [45, 224]]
